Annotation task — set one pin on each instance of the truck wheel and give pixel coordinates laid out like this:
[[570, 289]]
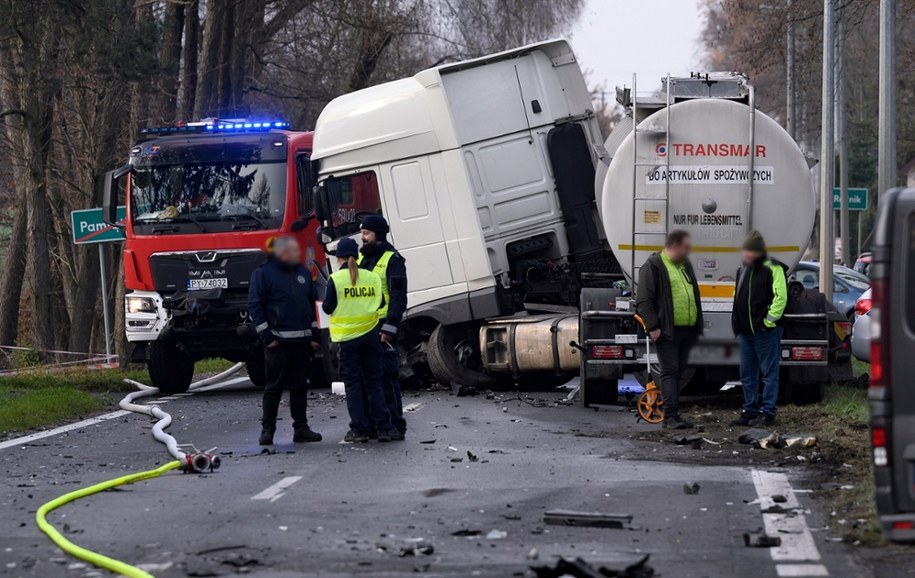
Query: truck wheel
[[257, 369], [170, 369], [455, 359]]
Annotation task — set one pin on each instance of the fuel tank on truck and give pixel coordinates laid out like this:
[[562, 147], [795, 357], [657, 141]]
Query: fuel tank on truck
[[696, 177]]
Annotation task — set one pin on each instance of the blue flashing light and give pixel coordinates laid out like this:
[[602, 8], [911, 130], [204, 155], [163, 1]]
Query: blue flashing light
[[216, 125]]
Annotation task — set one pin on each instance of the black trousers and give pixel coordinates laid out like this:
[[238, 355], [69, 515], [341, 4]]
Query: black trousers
[[287, 368], [673, 356], [391, 386]]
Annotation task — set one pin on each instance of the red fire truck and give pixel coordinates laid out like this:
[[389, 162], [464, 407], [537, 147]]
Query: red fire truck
[[203, 201]]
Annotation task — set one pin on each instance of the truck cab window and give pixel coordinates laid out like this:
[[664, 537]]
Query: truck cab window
[[304, 185], [350, 199]]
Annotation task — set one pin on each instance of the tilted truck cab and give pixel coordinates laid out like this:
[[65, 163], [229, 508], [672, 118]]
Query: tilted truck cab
[[203, 200]]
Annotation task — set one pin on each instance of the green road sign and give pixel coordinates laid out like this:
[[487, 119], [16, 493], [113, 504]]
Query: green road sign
[[88, 226], [857, 199]]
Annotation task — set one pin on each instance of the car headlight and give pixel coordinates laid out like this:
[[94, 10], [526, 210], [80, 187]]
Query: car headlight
[[140, 305]]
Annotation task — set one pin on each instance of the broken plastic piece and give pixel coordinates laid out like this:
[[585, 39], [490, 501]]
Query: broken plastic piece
[[691, 488], [586, 519], [759, 539]]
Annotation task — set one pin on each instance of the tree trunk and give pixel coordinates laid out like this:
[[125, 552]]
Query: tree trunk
[[11, 283], [191, 54], [170, 63], [207, 100]]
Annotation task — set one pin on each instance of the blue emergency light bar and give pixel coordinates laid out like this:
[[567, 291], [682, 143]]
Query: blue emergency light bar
[[214, 125]]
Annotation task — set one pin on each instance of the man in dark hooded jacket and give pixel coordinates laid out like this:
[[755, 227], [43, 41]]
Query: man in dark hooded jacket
[[669, 304]]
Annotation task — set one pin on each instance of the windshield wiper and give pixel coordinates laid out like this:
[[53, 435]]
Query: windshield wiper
[[189, 218], [249, 216]]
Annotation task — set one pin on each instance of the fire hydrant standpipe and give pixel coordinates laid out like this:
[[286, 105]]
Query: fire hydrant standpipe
[[197, 462]]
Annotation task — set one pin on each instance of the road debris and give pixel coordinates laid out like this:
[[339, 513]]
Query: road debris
[[416, 547], [533, 554], [586, 519], [497, 535], [579, 568], [466, 533], [691, 488], [693, 441], [463, 390], [472, 457], [764, 439], [759, 539]]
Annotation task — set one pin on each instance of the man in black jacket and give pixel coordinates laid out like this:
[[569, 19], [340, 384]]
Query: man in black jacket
[[669, 304], [380, 256], [281, 303], [759, 304]]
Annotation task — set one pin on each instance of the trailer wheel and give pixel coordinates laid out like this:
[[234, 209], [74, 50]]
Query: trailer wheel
[[170, 369], [455, 359], [257, 369]]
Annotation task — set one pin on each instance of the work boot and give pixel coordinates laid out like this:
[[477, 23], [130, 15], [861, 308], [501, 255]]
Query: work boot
[[305, 434], [744, 420], [354, 437], [266, 438], [397, 435], [762, 420], [676, 422]]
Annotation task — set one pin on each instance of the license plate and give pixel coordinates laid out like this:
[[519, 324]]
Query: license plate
[[216, 283]]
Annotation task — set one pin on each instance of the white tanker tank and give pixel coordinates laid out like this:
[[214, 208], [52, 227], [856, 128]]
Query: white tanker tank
[[694, 176]]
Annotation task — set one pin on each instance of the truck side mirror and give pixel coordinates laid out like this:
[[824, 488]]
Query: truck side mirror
[[110, 194], [321, 210], [324, 237]]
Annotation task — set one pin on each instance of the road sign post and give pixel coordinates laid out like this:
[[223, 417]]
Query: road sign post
[[90, 228], [857, 199]]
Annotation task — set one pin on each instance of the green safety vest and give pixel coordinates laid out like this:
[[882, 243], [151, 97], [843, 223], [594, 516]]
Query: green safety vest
[[357, 305], [381, 269]]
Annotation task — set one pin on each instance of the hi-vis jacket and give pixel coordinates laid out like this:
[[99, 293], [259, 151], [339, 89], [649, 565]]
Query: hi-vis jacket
[[281, 302], [388, 264], [760, 297], [353, 309]]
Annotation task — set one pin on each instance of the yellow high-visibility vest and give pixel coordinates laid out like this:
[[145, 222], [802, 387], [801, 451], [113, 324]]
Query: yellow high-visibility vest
[[357, 305], [381, 269]]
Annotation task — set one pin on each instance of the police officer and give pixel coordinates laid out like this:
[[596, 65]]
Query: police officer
[[353, 299], [380, 256], [281, 303]]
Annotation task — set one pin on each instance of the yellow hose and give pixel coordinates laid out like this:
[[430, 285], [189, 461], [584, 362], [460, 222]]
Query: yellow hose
[[89, 556]]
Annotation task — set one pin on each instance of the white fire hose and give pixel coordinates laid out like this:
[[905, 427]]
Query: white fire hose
[[195, 461]]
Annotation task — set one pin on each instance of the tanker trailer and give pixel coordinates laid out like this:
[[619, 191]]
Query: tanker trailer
[[695, 155]]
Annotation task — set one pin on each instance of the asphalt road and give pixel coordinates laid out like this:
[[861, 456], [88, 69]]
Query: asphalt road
[[332, 509]]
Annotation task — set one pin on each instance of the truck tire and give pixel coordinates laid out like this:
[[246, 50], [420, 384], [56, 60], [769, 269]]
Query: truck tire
[[444, 351], [170, 369], [257, 369]]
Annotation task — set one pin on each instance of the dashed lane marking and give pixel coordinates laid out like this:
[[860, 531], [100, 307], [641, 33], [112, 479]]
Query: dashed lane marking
[[275, 492], [797, 555]]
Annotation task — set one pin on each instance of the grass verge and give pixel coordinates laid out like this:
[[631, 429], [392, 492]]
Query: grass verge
[[36, 399]]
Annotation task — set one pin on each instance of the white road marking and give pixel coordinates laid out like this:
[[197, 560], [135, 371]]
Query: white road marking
[[20, 441], [793, 570], [791, 526], [275, 492]]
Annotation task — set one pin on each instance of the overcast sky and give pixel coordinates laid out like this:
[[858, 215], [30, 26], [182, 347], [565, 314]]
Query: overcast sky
[[615, 38]]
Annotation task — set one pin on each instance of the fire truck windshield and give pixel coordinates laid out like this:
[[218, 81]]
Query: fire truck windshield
[[208, 197]]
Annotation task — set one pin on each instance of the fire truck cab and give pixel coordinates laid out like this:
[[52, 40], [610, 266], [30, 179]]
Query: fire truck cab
[[204, 200]]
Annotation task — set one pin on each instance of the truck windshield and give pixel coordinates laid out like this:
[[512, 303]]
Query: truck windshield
[[211, 197], [351, 198]]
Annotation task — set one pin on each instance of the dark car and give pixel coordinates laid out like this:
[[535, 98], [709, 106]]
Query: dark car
[[847, 285], [892, 332]]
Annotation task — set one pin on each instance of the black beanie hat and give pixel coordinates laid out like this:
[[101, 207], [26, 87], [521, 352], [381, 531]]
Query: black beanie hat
[[755, 242]]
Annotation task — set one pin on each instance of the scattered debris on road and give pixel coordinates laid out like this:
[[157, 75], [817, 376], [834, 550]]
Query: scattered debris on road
[[586, 519], [416, 547], [691, 488], [497, 535], [579, 568], [689, 440], [759, 539], [763, 439]]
